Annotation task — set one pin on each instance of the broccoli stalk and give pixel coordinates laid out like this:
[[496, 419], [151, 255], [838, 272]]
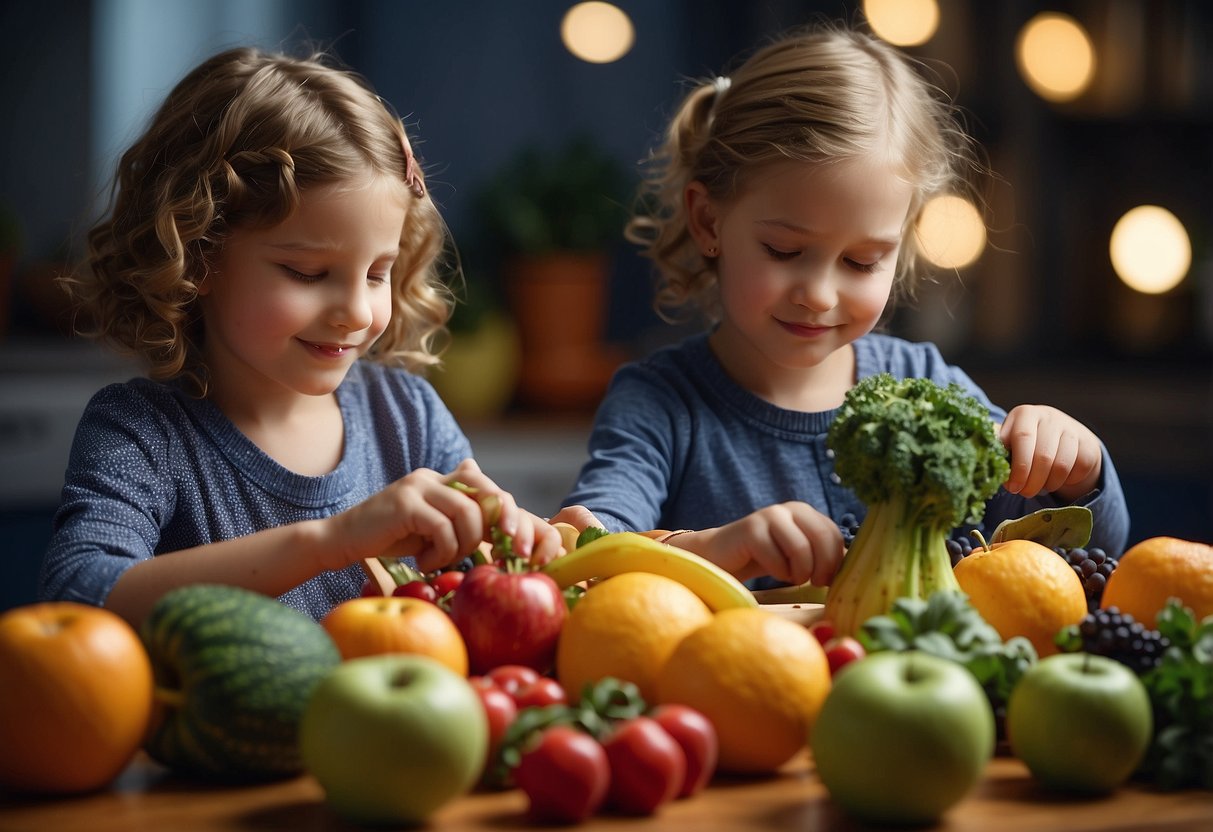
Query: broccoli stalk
[[923, 458]]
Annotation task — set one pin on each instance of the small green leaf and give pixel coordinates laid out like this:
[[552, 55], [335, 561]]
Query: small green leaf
[[1068, 527], [589, 534]]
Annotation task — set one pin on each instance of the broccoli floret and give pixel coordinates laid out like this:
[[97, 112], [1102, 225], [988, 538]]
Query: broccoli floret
[[924, 458], [932, 445]]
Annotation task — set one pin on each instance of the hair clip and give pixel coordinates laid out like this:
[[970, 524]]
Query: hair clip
[[412, 176], [722, 83]]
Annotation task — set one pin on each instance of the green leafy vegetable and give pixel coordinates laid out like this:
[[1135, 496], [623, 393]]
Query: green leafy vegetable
[[948, 626], [1181, 691], [923, 458]]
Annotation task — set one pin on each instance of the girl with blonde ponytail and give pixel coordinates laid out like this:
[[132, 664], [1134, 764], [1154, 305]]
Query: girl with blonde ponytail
[[780, 205]]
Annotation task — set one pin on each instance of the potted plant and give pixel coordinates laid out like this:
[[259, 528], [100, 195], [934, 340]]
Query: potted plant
[[479, 369], [551, 219]]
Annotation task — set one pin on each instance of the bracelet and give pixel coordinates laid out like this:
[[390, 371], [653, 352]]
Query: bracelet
[[668, 536]]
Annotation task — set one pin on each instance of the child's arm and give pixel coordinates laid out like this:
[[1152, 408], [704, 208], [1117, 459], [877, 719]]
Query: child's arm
[[792, 542], [1051, 452], [418, 515]]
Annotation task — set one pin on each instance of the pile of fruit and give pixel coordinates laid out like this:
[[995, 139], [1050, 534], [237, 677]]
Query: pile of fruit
[[635, 692]]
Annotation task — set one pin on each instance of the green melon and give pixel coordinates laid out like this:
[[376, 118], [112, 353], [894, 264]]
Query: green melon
[[234, 671]]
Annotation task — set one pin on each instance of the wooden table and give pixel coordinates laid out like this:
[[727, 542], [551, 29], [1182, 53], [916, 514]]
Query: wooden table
[[146, 797]]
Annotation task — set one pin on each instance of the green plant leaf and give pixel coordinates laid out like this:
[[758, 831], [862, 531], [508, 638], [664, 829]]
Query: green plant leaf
[[1068, 527]]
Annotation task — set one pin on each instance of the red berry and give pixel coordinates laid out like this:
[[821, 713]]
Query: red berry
[[444, 583], [823, 630], [416, 589], [370, 589]]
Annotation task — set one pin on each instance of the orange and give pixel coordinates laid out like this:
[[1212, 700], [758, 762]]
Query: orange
[[626, 627], [1157, 569], [373, 625], [1023, 588], [761, 680]]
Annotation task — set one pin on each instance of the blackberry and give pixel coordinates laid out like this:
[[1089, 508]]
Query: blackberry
[[1120, 636], [1093, 567], [848, 524]]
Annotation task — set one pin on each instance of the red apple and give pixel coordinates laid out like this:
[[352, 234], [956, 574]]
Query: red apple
[[508, 617]]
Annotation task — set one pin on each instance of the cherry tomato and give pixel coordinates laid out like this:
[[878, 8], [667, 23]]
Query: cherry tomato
[[648, 766], [370, 589], [696, 735], [841, 651], [511, 677], [444, 583], [416, 589], [543, 691], [499, 707], [565, 775], [823, 630]]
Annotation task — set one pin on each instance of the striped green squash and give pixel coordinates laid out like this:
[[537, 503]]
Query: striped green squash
[[234, 670]]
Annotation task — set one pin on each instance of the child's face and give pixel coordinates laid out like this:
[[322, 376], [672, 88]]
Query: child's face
[[807, 255], [289, 309]]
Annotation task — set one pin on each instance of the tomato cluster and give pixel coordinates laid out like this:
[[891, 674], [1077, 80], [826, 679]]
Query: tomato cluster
[[840, 650], [606, 750]]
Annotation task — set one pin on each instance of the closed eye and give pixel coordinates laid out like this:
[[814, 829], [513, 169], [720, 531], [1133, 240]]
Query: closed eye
[[777, 254], [866, 268], [302, 277]]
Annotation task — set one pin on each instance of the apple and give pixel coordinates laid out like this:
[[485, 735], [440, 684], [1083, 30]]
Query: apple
[[76, 697], [392, 738], [902, 737], [508, 617], [1081, 723]]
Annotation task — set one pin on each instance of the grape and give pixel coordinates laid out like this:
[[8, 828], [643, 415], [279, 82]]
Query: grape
[[848, 524], [1120, 636], [1093, 567], [959, 548]]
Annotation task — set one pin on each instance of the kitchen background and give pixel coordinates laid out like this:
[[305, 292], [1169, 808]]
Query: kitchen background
[[1040, 316]]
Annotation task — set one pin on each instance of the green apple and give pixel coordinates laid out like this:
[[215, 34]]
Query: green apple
[[902, 737], [393, 737], [1081, 723]]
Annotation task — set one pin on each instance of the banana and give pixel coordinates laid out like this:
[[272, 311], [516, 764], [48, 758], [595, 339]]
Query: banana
[[622, 552]]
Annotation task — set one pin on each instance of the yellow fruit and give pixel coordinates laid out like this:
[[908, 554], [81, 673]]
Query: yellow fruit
[[1023, 588], [1157, 569], [626, 627], [759, 678], [632, 552]]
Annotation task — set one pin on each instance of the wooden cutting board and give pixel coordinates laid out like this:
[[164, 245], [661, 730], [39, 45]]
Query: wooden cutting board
[[804, 614]]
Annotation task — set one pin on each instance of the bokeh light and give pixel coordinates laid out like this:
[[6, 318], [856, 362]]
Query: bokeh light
[[902, 22], [1055, 56], [1150, 249], [596, 32], [951, 232]]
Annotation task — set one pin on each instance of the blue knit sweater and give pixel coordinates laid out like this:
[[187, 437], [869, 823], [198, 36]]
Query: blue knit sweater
[[154, 470], [678, 444]]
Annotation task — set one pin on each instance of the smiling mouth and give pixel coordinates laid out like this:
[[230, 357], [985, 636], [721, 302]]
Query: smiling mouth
[[334, 350], [804, 329]]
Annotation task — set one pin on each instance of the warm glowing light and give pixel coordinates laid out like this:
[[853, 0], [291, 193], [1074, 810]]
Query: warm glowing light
[[1055, 56], [1150, 249], [903, 22], [951, 232], [597, 32]]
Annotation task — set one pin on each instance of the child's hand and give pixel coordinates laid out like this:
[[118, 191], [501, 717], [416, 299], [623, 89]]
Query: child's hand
[[1050, 452], [791, 542], [421, 515]]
